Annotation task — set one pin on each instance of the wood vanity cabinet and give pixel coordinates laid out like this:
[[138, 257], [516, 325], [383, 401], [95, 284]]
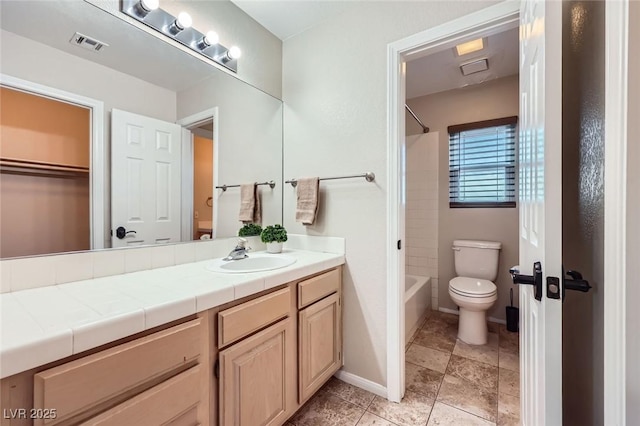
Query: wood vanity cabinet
[[319, 331]]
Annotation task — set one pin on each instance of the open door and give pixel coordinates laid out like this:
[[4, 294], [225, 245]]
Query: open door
[[540, 197], [145, 180]]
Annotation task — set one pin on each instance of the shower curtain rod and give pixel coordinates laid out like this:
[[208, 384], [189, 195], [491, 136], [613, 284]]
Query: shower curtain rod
[[425, 129]]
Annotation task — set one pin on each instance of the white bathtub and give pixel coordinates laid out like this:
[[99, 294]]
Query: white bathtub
[[417, 301]]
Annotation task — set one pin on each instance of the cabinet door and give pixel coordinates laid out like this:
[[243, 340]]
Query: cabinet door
[[320, 344], [257, 378]]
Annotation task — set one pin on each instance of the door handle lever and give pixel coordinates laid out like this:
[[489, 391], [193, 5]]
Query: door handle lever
[[575, 282], [534, 280]]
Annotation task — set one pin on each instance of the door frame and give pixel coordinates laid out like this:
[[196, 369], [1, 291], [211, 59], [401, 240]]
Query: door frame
[[616, 122], [615, 209], [96, 146], [187, 170], [496, 18]]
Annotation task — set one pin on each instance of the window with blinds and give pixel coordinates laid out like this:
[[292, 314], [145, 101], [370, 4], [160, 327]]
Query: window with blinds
[[482, 163]]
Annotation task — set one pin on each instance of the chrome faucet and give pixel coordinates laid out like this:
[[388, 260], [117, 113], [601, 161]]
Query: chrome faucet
[[239, 252]]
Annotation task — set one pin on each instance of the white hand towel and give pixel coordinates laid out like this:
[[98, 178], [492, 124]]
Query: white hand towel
[[307, 192]]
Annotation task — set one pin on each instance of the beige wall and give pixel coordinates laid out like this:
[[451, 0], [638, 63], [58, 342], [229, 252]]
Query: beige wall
[[41, 214], [633, 225], [494, 99], [202, 181], [335, 94]]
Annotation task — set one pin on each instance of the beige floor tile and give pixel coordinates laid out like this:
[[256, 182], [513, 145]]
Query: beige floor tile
[[470, 397], [436, 336], [326, 409], [369, 419], [484, 353], [508, 360], [413, 410], [429, 358], [422, 380], [508, 410], [349, 393], [444, 415], [509, 382], [493, 327], [476, 372], [509, 341]]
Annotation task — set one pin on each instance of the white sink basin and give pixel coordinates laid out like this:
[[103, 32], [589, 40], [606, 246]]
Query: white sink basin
[[256, 262]]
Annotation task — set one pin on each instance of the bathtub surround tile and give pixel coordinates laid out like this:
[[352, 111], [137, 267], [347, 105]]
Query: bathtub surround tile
[[508, 410], [428, 358], [349, 393], [326, 409], [32, 272], [508, 360], [445, 415], [509, 382], [487, 354], [108, 262], [422, 380], [73, 267], [470, 397], [369, 419], [413, 410], [476, 372]]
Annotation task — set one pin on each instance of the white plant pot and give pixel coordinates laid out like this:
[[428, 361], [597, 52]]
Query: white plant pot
[[274, 247]]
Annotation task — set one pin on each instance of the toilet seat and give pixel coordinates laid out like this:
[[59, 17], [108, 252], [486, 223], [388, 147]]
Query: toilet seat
[[472, 287]]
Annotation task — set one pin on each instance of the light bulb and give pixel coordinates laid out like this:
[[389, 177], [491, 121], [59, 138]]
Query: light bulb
[[149, 5], [211, 38], [183, 21], [234, 52]]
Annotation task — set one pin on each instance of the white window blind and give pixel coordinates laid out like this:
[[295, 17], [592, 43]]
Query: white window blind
[[482, 164]]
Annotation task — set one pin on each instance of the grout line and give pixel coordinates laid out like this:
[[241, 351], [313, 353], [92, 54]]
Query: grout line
[[465, 411]]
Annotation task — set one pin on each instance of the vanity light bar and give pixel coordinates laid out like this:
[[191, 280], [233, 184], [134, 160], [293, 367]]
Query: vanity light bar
[[179, 28]]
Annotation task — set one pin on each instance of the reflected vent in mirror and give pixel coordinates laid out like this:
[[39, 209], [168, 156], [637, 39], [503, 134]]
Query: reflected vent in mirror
[[87, 42]]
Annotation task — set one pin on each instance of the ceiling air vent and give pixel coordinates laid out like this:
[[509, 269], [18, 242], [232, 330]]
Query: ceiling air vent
[[474, 67], [87, 42]]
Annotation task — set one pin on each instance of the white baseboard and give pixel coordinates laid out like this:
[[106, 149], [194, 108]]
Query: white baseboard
[[456, 312], [362, 383]]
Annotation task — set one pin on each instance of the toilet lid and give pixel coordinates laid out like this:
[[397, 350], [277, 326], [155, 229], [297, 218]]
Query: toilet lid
[[472, 287]]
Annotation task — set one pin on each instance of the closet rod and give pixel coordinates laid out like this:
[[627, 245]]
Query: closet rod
[[369, 176], [271, 184], [425, 129]]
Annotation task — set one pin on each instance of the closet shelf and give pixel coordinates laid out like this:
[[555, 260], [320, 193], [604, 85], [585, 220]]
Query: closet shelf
[[40, 168]]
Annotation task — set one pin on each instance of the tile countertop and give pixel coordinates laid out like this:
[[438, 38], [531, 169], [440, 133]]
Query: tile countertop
[[42, 325]]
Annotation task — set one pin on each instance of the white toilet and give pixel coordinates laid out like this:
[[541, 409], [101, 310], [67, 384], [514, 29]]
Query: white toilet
[[472, 290]]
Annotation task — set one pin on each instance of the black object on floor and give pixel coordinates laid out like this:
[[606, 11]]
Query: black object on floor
[[513, 315]]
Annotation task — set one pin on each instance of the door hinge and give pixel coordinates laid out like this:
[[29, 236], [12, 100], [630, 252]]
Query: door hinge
[[216, 369], [399, 244]]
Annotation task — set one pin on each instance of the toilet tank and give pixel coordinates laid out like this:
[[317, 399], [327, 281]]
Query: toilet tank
[[476, 259]]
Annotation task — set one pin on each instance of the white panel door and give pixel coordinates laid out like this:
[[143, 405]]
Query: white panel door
[[540, 148], [145, 180]]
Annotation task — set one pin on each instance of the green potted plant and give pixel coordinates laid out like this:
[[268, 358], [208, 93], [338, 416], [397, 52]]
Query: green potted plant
[[274, 236], [250, 230]]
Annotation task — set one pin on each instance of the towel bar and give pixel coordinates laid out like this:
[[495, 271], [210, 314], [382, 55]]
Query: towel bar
[[369, 176], [271, 184]]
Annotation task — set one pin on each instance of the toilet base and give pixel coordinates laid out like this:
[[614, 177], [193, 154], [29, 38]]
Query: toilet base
[[472, 327]]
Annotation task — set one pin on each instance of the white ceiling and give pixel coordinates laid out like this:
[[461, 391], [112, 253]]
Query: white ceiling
[[441, 71], [285, 19]]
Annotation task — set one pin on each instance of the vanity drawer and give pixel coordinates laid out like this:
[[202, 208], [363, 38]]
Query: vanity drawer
[[318, 287], [171, 402], [249, 317], [76, 386]]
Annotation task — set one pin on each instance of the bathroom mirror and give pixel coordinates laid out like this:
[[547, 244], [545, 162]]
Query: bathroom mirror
[[72, 114]]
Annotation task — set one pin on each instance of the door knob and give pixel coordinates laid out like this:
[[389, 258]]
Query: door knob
[[121, 232], [575, 282], [534, 280]]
